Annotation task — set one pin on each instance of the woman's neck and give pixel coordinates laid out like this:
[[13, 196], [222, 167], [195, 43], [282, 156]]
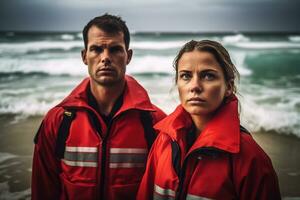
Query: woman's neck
[[200, 122]]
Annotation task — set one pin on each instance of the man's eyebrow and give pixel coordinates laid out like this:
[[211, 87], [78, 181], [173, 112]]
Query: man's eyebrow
[[95, 45]]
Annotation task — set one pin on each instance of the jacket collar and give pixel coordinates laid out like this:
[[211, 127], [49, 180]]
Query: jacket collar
[[134, 96], [222, 132]]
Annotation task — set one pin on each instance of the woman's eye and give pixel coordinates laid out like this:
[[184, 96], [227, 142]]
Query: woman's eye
[[208, 76], [185, 76]]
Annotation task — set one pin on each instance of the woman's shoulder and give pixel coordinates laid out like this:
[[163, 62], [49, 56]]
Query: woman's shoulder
[[163, 139], [251, 153]]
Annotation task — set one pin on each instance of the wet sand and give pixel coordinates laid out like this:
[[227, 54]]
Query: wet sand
[[16, 148]]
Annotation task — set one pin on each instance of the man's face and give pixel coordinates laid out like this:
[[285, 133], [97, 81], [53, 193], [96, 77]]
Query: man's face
[[106, 57]]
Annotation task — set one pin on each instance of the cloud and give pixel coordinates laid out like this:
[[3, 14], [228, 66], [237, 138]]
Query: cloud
[[155, 15]]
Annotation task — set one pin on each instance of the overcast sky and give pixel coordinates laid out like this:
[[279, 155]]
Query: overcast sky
[[153, 15]]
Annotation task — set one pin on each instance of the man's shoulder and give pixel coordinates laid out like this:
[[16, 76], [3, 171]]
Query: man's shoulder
[[54, 115]]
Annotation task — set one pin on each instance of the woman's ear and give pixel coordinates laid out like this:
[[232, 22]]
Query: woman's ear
[[229, 88]]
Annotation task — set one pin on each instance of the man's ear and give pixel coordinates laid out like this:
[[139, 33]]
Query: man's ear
[[129, 55], [229, 88], [83, 56]]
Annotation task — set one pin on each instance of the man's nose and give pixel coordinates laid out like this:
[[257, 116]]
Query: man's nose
[[195, 85], [105, 57]]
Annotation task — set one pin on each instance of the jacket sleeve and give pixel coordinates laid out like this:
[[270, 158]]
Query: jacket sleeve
[[254, 175], [45, 183]]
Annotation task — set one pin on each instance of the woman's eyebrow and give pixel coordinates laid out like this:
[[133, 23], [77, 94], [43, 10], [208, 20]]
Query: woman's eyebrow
[[209, 70], [184, 70]]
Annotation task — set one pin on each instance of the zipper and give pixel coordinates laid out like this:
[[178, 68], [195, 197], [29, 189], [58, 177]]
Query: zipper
[[183, 170], [103, 160], [181, 176], [95, 119]]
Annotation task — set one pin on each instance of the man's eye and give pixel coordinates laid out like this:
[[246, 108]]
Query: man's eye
[[116, 49], [96, 49]]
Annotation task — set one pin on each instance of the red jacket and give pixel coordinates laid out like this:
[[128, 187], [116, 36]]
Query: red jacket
[[222, 163], [93, 167]]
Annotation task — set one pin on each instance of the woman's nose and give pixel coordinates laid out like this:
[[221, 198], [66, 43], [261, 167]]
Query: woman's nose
[[195, 86]]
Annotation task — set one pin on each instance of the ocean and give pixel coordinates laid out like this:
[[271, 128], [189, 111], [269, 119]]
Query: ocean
[[37, 70]]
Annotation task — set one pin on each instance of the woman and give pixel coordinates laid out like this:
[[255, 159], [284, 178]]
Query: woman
[[201, 151]]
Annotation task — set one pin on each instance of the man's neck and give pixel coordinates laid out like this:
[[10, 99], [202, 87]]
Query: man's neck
[[105, 96]]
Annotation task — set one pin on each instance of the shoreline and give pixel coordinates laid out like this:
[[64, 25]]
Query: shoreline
[[16, 150]]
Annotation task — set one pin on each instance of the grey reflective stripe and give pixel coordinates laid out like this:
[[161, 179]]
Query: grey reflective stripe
[[82, 149], [80, 164], [81, 156], [128, 150], [75, 156], [164, 192], [127, 158], [126, 165], [159, 197], [195, 197]]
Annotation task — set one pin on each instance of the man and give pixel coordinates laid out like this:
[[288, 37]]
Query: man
[[94, 144]]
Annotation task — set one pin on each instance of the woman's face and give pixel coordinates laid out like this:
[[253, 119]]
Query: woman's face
[[201, 83]]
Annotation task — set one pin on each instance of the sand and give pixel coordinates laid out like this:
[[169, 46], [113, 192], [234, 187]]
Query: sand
[[16, 147]]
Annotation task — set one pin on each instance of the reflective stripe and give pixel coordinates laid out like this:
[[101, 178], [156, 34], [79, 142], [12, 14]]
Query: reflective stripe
[[75, 156], [82, 149], [159, 197], [127, 158], [194, 197], [80, 164], [126, 165], [128, 150], [164, 192]]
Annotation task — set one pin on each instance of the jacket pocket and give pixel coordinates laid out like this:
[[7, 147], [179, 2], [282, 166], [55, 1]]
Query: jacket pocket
[[78, 190], [127, 191]]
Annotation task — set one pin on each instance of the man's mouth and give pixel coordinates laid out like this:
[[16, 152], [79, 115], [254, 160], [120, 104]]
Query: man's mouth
[[105, 70]]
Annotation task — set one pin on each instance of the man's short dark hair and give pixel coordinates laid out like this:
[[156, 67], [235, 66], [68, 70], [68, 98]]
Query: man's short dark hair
[[109, 24]]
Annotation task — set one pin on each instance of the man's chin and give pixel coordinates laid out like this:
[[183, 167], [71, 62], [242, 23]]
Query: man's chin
[[109, 82]]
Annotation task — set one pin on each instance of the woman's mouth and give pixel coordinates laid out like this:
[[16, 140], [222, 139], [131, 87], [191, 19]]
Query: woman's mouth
[[196, 100]]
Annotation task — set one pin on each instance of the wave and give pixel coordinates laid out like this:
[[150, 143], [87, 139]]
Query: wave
[[271, 109], [75, 46], [20, 74], [294, 38], [67, 37], [39, 45], [73, 66], [62, 66], [158, 45], [235, 38], [267, 45]]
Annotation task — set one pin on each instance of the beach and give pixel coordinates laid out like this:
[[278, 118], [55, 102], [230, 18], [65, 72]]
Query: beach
[[16, 145]]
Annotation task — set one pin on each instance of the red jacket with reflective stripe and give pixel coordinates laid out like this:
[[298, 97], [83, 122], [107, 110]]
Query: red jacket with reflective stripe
[[222, 163], [93, 167]]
